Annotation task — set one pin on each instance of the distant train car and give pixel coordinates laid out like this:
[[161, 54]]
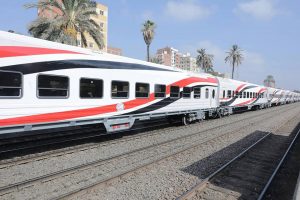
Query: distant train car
[[276, 96], [242, 95]]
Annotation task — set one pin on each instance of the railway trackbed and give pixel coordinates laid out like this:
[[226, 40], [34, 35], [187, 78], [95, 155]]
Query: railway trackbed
[[63, 139], [36, 152], [249, 174], [87, 175]]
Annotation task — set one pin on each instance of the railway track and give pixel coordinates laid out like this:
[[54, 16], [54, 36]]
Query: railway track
[[108, 175], [249, 174], [26, 153], [65, 138]]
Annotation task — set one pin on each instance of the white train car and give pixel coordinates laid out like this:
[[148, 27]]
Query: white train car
[[242, 95], [276, 96], [48, 85]]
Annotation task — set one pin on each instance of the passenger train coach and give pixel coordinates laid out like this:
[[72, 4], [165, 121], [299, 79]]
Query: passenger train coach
[[49, 85]]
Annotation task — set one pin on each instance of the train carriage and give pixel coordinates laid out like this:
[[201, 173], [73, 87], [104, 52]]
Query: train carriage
[[47, 85], [276, 96], [242, 95], [50, 85]]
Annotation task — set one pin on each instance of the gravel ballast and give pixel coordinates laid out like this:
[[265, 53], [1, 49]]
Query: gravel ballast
[[169, 178]]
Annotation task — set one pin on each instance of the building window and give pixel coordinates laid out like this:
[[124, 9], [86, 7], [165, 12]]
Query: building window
[[119, 89], [174, 92], [159, 91], [101, 24], [213, 94], [91, 45], [10, 84], [53, 86], [78, 43], [142, 90], [186, 92], [91, 88], [101, 12], [206, 93], [197, 93]]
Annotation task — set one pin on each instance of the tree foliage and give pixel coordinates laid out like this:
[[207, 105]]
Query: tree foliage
[[204, 61], [68, 19], [234, 57], [148, 31]]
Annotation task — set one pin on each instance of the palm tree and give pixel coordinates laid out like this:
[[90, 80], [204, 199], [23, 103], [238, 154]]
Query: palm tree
[[69, 19], [235, 57], [204, 60], [148, 33]]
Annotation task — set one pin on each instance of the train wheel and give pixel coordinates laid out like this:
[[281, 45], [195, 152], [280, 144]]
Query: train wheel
[[185, 120]]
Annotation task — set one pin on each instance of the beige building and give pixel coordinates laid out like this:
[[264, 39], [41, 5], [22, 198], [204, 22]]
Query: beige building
[[101, 19], [187, 62], [269, 81], [170, 56], [114, 50]]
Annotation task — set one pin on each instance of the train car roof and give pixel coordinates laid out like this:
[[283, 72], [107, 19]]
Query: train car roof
[[17, 40]]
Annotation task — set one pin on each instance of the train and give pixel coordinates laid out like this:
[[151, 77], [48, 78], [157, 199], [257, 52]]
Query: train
[[46, 85]]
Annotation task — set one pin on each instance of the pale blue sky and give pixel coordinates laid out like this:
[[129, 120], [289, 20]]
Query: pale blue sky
[[267, 30]]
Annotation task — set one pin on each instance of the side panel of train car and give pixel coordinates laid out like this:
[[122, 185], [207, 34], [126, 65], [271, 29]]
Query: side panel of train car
[[52, 87], [242, 95]]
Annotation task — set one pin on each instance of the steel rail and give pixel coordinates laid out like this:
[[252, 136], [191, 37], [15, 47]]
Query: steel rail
[[263, 192], [91, 145], [97, 162], [200, 185]]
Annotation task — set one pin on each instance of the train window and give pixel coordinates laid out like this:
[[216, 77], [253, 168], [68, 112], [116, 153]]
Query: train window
[[53, 86], [142, 90], [174, 92], [248, 95], [10, 84], [251, 93], [228, 93], [213, 94], [91, 88], [241, 94], [159, 91], [197, 93], [232, 93], [244, 94], [186, 92], [223, 94], [206, 93], [119, 89]]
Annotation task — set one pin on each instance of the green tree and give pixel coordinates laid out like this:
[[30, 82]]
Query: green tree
[[70, 18], [234, 57], [204, 60], [148, 34]]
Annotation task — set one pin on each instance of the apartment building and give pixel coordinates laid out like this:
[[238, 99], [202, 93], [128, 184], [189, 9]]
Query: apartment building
[[170, 56], [114, 50], [269, 81]]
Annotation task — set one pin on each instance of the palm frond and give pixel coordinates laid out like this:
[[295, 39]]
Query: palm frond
[[71, 18]]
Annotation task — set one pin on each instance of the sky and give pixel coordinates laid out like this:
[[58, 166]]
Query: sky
[[268, 31]]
